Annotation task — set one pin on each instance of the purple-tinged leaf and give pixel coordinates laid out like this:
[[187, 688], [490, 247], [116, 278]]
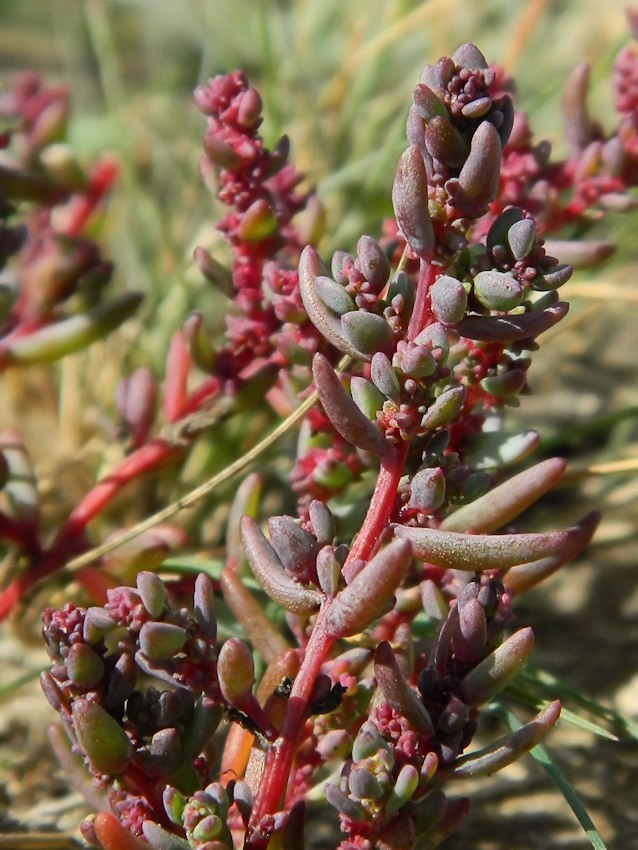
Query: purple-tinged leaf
[[578, 124], [398, 692], [203, 605], [384, 377], [428, 104], [297, 550], [507, 749], [476, 552], [521, 578], [326, 322], [373, 262], [478, 179], [582, 253], [522, 237], [269, 572], [445, 143], [410, 201], [509, 499], [469, 56], [362, 602], [343, 413], [553, 279], [493, 673], [506, 328]]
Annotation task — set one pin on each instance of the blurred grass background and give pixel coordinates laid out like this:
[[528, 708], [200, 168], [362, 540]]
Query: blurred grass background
[[337, 76]]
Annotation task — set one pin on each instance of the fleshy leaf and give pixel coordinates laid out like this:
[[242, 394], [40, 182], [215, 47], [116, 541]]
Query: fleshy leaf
[[509, 499], [269, 572], [344, 414], [361, 602], [410, 201], [507, 749], [480, 551], [493, 673], [398, 692]]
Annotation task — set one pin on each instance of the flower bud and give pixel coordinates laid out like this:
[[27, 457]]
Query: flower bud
[[159, 641], [101, 737], [449, 299], [498, 290]]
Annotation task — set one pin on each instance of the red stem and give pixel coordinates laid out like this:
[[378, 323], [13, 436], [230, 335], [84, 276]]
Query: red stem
[[421, 312], [381, 505], [280, 756]]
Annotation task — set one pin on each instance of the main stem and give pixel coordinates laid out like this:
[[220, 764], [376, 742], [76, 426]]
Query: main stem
[[280, 757]]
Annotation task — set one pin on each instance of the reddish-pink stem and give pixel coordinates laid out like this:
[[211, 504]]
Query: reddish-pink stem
[[381, 505], [421, 311], [280, 756]]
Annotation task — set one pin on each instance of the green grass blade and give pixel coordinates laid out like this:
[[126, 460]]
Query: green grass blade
[[542, 756]]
